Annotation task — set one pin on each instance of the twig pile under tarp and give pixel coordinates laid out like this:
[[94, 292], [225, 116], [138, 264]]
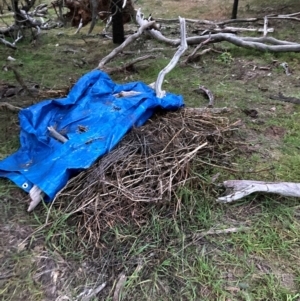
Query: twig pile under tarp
[[149, 165]]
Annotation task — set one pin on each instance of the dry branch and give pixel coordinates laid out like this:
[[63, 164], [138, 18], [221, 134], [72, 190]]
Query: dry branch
[[129, 40], [246, 42], [261, 43], [149, 165], [281, 97], [173, 62], [243, 188], [128, 66], [192, 57], [228, 29], [18, 78], [9, 107], [119, 286]]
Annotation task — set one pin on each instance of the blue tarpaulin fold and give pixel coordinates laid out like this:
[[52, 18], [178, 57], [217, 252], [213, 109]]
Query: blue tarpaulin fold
[[93, 120]]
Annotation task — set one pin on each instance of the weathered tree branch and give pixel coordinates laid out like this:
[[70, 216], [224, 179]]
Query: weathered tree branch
[[246, 42], [183, 47], [242, 188], [192, 57], [129, 40], [9, 107]]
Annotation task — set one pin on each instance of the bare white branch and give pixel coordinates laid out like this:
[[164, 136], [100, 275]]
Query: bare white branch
[[183, 47], [242, 188]]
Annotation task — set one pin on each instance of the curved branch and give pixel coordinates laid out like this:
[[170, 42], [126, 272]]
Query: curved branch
[[173, 62]]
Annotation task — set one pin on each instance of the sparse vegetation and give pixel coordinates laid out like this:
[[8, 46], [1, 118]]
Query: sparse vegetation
[[171, 255]]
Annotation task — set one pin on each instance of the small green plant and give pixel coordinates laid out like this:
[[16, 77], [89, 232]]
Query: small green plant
[[225, 58]]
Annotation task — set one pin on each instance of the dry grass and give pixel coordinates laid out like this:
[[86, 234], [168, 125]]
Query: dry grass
[[149, 165]]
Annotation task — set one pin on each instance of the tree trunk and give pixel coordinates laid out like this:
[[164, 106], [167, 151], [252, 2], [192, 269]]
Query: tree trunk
[[235, 9], [117, 21]]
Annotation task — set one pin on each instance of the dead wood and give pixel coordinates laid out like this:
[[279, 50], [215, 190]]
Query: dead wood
[[281, 97], [128, 67], [183, 47], [8, 106], [149, 165], [289, 17], [265, 44], [228, 29], [209, 94], [194, 56], [119, 286], [18, 78], [246, 42], [129, 40], [242, 188]]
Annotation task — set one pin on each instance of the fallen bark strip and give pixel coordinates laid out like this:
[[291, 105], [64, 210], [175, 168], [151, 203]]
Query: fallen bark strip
[[129, 40], [285, 98], [242, 188]]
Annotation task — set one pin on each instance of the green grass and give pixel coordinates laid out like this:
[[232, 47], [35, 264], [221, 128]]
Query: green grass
[[170, 255]]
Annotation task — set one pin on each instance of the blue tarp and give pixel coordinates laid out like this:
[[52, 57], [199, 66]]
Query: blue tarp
[[90, 117]]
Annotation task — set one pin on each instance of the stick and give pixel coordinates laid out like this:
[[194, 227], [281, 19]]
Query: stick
[[208, 110], [79, 26], [192, 56], [183, 47], [56, 134], [225, 231], [94, 292], [10, 107], [8, 44], [128, 65], [265, 26], [19, 78]]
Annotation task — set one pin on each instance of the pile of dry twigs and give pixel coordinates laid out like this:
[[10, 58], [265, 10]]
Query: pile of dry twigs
[[149, 165]]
